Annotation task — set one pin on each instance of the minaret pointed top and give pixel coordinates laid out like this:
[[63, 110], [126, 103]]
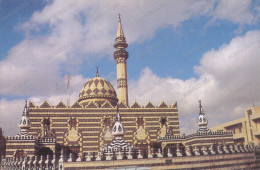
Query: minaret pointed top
[[201, 110], [25, 110], [120, 33], [97, 74], [117, 114]]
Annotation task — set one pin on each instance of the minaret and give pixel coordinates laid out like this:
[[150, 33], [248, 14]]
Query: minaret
[[121, 55], [203, 122], [25, 123]]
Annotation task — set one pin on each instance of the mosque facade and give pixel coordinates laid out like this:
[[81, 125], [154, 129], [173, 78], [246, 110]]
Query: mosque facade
[[86, 125]]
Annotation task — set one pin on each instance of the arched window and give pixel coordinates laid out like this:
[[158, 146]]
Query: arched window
[[73, 122], [107, 121], [140, 121], [163, 121], [46, 123]]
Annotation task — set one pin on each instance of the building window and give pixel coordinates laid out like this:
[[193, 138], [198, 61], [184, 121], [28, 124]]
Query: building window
[[46, 123], [73, 122], [107, 121], [140, 121], [249, 113], [252, 137], [163, 121]]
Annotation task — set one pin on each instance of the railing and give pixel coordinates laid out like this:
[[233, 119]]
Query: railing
[[44, 163], [29, 137], [198, 134]]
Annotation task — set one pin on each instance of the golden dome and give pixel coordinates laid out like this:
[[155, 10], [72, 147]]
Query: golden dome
[[97, 90]]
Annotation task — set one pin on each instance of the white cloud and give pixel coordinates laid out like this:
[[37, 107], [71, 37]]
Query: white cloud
[[77, 30], [11, 111], [241, 12], [10, 114], [235, 12], [228, 83]]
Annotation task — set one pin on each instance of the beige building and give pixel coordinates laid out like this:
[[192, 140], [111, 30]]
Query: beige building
[[2, 144], [246, 130]]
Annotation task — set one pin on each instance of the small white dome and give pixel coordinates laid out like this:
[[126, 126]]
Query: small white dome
[[118, 129], [25, 122], [202, 121]]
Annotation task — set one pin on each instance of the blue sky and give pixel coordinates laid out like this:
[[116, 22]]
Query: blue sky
[[177, 52]]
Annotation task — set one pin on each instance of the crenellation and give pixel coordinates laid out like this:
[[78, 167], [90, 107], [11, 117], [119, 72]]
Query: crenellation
[[45, 104], [135, 105], [149, 105], [76, 105], [163, 105]]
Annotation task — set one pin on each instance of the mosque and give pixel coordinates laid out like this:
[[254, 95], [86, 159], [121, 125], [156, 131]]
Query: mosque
[[86, 125], [101, 122]]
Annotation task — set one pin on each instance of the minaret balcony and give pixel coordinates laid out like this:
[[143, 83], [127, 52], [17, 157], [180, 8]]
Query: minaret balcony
[[121, 53], [120, 43]]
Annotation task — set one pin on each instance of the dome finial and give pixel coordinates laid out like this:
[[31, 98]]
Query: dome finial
[[97, 74]]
